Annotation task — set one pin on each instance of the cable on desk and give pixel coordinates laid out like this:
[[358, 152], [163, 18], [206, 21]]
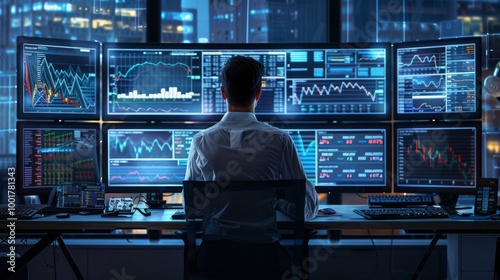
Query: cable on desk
[[140, 198], [377, 263], [361, 196]]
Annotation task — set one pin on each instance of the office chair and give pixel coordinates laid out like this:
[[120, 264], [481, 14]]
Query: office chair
[[242, 203]]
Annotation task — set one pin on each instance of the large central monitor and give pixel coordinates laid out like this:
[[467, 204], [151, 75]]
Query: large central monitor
[[58, 79], [353, 158], [438, 79], [180, 82], [152, 158], [52, 153], [146, 158], [437, 157]]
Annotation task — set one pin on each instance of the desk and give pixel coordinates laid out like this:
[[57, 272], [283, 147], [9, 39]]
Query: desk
[[54, 227], [161, 219], [461, 232], [347, 219]]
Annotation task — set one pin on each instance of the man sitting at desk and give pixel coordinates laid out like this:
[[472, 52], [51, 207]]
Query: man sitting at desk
[[241, 148]]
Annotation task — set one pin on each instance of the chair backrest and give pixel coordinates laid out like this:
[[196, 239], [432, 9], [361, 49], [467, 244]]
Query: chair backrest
[[243, 205]]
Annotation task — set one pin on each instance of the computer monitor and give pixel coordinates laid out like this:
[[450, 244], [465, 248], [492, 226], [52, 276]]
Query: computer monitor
[[438, 79], [301, 82], [437, 157], [350, 158], [53, 153], [146, 158], [58, 79]]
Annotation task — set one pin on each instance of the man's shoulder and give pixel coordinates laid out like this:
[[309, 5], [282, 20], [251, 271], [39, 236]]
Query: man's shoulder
[[202, 133], [255, 126], [273, 128]]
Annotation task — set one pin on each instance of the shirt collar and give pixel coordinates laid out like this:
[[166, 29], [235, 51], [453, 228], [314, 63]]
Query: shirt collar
[[239, 116]]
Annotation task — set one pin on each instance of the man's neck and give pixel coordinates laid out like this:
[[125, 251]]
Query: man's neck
[[246, 109]]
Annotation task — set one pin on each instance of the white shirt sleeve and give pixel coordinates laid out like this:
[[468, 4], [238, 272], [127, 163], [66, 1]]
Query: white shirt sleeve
[[293, 169]]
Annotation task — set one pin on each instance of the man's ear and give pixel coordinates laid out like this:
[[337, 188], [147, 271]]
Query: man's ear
[[223, 93], [257, 96]]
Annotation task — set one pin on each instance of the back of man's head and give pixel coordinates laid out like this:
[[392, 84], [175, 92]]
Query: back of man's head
[[241, 77]]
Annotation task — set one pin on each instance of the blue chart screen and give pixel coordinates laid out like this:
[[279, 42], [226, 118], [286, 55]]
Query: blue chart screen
[[344, 157], [348, 81], [59, 80], [185, 83], [154, 82], [147, 157], [273, 80], [305, 142], [438, 79]]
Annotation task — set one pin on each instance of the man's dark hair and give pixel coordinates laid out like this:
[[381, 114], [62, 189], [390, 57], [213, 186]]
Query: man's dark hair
[[242, 78]]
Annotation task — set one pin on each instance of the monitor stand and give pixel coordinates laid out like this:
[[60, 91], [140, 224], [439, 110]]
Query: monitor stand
[[155, 200], [447, 200], [39, 196]]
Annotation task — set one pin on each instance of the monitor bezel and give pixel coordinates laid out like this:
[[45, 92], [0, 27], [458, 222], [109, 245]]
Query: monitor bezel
[[243, 47], [21, 114], [44, 191], [439, 189], [440, 115], [354, 125], [163, 188]]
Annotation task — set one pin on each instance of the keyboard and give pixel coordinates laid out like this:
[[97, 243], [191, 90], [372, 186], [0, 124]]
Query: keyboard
[[27, 211], [387, 213], [399, 200]]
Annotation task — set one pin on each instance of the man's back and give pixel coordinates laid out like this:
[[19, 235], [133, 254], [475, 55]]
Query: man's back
[[241, 148]]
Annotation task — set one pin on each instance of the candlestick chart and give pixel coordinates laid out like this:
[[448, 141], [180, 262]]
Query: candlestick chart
[[435, 156]]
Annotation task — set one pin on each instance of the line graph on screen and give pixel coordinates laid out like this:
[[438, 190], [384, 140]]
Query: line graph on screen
[[353, 95], [52, 84], [154, 82]]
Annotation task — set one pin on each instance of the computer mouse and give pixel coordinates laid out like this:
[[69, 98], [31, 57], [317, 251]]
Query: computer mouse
[[143, 211], [328, 211], [146, 212], [63, 215]]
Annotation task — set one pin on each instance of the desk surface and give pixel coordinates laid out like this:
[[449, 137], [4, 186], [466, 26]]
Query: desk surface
[[158, 220], [347, 219], [162, 219]]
